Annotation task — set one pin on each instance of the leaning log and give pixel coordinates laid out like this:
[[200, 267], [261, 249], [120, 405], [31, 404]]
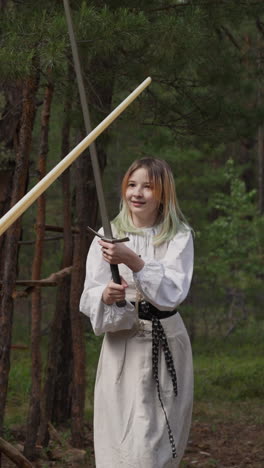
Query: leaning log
[[13, 454]]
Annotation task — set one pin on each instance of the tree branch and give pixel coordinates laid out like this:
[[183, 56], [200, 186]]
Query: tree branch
[[46, 239], [231, 37], [50, 281]]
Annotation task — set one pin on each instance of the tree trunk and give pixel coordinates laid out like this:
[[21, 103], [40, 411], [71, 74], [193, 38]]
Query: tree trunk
[[57, 391], [13, 235], [9, 130], [86, 211], [3, 4], [77, 323], [11, 115], [6, 176], [35, 399], [61, 410]]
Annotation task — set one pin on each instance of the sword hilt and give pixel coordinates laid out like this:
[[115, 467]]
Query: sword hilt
[[114, 268], [111, 240], [117, 279]]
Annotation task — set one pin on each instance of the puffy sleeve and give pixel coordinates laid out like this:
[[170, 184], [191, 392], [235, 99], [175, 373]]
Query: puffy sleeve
[[166, 282], [104, 318]]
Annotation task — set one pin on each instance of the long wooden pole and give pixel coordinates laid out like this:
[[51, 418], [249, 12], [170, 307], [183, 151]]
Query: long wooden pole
[[20, 207]]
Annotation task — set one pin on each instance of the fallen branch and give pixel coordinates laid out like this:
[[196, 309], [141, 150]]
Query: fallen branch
[[13, 454], [56, 436]]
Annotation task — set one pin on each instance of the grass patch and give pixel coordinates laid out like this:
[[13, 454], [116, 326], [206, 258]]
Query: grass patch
[[230, 369], [228, 378], [243, 412], [93, 346], [18, 388]]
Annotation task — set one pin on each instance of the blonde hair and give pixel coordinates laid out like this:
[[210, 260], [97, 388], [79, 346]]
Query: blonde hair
[[170, 218]]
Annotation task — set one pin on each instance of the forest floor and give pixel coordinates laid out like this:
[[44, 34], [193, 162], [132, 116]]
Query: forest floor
[[230, 436], [224, 444]]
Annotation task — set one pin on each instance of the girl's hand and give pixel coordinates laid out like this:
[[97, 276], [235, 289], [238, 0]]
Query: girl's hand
[[114, 253], [119, 253], [114, 292]]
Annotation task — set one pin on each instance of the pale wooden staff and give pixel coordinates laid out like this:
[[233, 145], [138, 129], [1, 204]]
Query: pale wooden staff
[[23, 204]]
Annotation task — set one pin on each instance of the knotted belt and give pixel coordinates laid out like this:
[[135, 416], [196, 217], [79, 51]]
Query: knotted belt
[[147, 311]]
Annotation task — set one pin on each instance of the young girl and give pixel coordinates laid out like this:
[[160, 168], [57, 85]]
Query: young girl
[[144, 384]]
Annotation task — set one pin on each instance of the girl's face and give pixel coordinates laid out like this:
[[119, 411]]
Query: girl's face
[[140, 199]]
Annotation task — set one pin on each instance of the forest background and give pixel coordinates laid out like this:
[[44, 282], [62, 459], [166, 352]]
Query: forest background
[[204, 114]]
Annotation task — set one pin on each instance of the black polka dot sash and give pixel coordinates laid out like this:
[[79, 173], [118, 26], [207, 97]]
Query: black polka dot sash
[[159, 341]]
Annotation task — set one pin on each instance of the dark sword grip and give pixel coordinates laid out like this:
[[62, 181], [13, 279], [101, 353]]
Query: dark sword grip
[[117, 279]]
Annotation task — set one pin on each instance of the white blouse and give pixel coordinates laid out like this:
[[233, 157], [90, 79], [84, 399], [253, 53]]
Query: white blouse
[[164, 281]]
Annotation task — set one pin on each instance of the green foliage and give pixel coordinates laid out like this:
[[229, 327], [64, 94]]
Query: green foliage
[[28, 33], [110, 28], [196, 55], [235, 212], [235, 250], [229, 264]]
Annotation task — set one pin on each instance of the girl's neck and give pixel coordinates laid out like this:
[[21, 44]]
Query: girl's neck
[[143, 222]]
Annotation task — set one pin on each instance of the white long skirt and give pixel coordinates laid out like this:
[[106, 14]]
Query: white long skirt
[[130, 429]]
